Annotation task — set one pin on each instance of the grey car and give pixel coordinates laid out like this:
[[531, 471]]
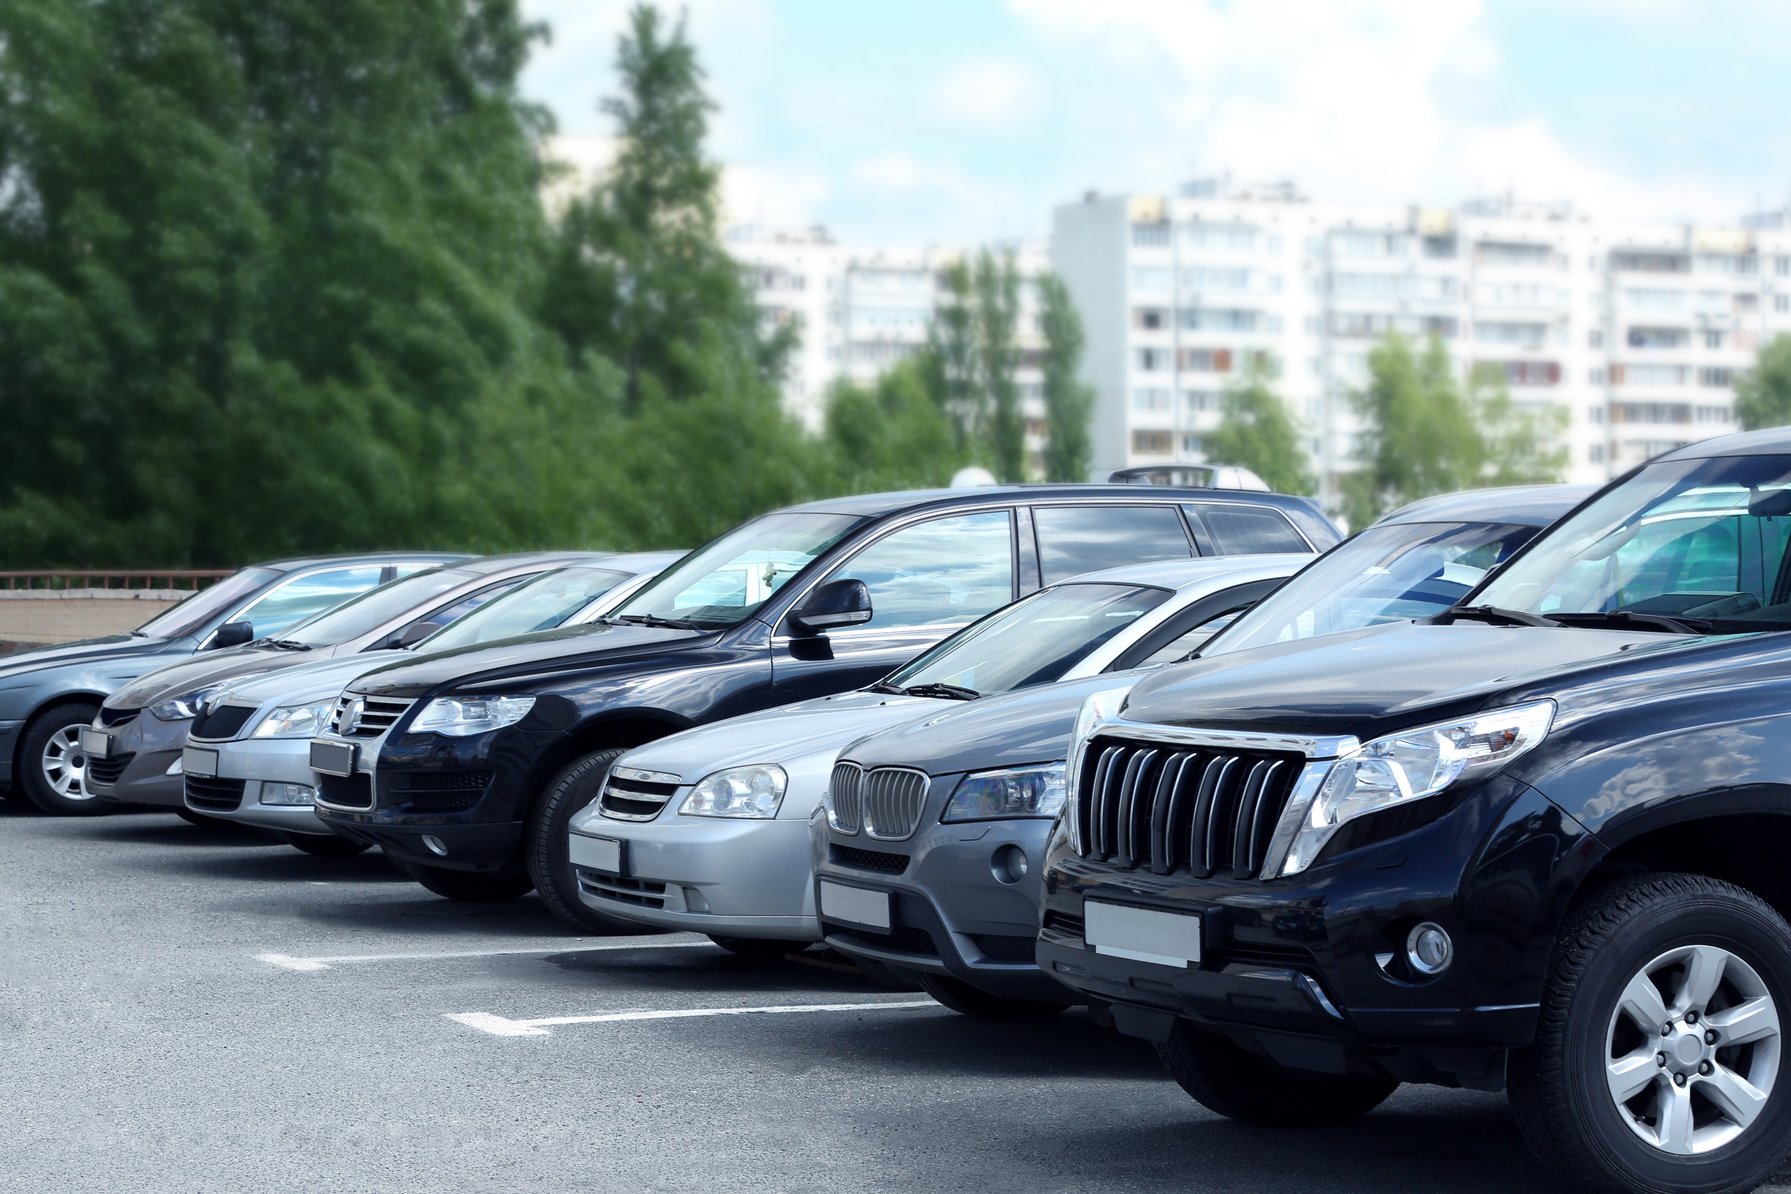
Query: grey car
[[708, 829], [248, 756], [133, 747], [951, 895], [48, 696]]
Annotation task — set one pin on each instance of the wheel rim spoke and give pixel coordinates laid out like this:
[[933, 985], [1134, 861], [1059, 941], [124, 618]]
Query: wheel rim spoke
[[1630, 1074], [1748, 1021], [1675, 1110], [1738, 1098], [1642, 1003], [1703, 974]]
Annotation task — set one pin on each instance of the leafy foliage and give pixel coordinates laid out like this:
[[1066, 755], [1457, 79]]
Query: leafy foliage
[[1763, 395], [1069, 403], [1257, 432]]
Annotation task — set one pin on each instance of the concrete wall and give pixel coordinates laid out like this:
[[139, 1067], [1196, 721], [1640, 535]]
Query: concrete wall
[[38, 617]]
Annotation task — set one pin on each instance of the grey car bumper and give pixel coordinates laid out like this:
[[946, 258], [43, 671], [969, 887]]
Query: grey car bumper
[[136, 765], [243, 774]]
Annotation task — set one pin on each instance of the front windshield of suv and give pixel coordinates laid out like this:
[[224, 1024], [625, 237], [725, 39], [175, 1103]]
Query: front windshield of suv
[[206, 604], [375, 608], [1395, 572], [726, 582], [1033, 641], [1687, 545], [540, 604]]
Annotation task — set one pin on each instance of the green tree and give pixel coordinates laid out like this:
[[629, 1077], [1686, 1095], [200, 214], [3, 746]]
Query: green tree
[[1257, 432], [891, 435], [950, 360], [997, 289], [1763, 395], [1069, 402]]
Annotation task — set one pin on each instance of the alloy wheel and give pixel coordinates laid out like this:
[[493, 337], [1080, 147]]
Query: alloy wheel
[[65, 764]]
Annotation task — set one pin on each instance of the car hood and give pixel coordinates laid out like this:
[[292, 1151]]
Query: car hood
[[777, 735], [1371, 682], [1010, 730], [527, 657], [93, 650], [308, 683], [204, 671]]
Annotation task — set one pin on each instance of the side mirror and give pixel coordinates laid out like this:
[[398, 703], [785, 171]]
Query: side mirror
[[232, 634], [836, 603], [413, 634]]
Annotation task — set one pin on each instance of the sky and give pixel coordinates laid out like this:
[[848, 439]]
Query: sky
[[961, 121]]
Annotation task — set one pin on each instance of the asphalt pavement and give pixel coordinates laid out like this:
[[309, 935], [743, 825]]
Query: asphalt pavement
[[199, 1009]]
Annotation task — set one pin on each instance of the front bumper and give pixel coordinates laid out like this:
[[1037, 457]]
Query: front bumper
[[1306, 969], [469, 796], [950, 914], [135, 769], [732, 877], [242, 768]]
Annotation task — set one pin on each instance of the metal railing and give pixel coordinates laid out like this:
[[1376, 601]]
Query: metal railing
[[160, 579]]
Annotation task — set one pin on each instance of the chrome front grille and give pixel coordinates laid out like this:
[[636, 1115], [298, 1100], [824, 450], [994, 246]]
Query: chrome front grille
[[1170, 808], [633, 795], [886, 802], [359, 716], [221, 723]]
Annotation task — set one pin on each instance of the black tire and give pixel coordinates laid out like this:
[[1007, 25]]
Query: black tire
[[967, 1000], [324, 845], [1559, 1087], [575, 786], [473, 887], [759, 949], [1229, 1080], [55, 723]]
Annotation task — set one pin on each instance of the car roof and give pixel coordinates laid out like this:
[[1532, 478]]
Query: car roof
[[489, 565], [636, 561], [1523, 505], [1772, 441], [297, 563], [873, 505], [1198, 573]]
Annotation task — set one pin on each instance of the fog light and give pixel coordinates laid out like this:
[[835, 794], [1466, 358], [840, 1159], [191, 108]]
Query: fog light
[[1009, 864], [288, 794], [175, 768], [435, 845], [1428, 948]]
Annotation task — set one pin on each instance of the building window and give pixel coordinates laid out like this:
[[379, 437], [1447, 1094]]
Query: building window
[[1716, 376], [1151, 399], [1595, 454], [1595, 338], [1713, 339], [1192, 445], [1152, 443], [1150, 236], [1148, 319], [1781, 302], [1152, 360]]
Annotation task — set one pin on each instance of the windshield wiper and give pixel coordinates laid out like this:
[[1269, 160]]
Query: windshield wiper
[[1497, 615], [951, 692], [886, 687], [656, 620], [285, 644], [1629, 619]]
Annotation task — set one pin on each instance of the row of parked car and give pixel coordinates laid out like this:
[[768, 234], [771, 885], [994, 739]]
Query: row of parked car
[[1488, 796]]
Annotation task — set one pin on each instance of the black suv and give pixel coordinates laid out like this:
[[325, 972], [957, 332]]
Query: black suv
[[467, 766], [1540, 841]]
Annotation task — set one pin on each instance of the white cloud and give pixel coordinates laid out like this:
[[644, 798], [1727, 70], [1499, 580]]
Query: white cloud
[[990, 93], [756, 194]]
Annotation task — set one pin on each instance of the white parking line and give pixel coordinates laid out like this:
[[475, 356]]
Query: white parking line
[[288, 962], [504, 1026]]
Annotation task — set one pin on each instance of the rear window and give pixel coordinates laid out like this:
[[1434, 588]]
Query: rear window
[[1078, 539], [1247, 530]]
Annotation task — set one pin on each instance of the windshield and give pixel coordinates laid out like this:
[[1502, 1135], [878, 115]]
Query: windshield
[[1692, 539], [1033, 641], [207, 604], [727, 581], [1391, 573], [375, 608], [541, 604]]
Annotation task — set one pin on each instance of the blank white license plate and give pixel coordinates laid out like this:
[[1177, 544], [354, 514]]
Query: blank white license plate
[[855, 904], [202, 763], [95, 744], [1142, 934], [597, 853]]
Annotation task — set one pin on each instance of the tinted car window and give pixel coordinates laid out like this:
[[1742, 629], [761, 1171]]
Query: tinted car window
[[953, 569], [304, 596], [541, 604], [206, 604], [727, 581], [370, 611], [1034, 640], [1077, 539], [1246, 530], [466, 605]]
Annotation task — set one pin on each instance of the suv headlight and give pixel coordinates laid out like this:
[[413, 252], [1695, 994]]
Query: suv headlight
[[184, 707], [295, 721], [1414, 764], [459, 717], [1019, 792], [751, 792]]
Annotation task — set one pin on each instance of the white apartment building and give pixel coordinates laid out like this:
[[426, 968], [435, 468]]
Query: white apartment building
[[862, 309], [1636, 332]]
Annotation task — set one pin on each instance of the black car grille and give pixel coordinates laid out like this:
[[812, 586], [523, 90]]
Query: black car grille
[[642, 893], [346, 791], [886, 802], [215, 795], [880, 861], [1181, 808], [108, 716], [900, 940], [440, 791], [221, 723], [1007, 949], [628, 799], [109, 771], [360, 716]]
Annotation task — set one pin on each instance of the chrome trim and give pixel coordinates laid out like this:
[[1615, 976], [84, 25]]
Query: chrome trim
[[1293, 815], [920, 807], [1329, 746], [647, 777]]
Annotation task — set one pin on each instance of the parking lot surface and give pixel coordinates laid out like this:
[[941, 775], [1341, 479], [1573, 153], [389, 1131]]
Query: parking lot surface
[[205, 1009]]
